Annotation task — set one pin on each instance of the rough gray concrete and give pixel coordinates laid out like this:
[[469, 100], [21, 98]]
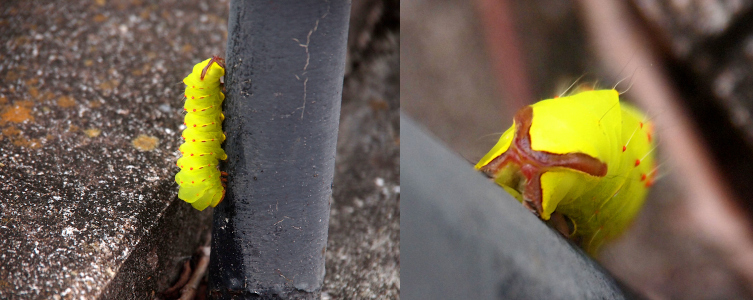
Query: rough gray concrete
[[363, 250], [90, 99], [90, 117]]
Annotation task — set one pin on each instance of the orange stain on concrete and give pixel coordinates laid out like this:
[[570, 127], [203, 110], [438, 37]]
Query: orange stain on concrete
[[100, 18], [65, 102], [27, 143], [14, 135], [92, 132], [11, 131], [145, 143], [17, 113]]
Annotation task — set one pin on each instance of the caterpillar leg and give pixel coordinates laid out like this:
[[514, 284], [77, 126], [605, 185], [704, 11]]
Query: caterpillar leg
[[223, 180], [562, 224], [223, 195]]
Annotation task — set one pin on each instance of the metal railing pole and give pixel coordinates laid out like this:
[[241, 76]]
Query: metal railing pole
[[285, 63]]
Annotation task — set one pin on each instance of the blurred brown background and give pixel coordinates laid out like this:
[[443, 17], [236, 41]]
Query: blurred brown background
[[467, 66]]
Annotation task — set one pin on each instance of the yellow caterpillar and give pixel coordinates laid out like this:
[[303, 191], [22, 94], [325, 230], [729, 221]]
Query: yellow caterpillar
[[199, 178], [586, 158]]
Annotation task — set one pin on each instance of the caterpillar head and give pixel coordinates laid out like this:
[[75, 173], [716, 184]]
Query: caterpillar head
[[215, 59], [518, 168], [583, 163]]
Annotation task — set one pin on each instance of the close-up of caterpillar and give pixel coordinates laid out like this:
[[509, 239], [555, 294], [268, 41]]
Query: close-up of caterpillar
[[583, 162], [200, 179]]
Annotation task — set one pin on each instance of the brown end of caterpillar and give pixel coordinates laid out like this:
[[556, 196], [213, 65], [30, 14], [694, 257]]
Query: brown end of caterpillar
[[528, 165], [563, 224], [215, 59]]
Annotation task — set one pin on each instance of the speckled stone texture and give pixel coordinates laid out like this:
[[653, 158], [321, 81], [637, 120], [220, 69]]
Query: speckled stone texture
[[90, 115], [90, 122], [363, 248]]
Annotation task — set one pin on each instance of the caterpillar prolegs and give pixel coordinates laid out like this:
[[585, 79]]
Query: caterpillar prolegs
[[200, 179], [586, 158]]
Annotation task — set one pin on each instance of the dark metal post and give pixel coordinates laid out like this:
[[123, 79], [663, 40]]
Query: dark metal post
[[285, 64]]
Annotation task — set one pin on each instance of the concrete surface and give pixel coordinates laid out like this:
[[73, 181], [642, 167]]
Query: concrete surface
[[90, 117], [363, 250]]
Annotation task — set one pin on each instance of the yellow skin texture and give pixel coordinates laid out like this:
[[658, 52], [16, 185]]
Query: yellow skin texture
[[594, 123], [199, 178]]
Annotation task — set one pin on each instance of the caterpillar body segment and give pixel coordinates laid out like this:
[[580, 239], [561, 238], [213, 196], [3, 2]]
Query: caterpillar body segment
[[586, 156], [200, 180]]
